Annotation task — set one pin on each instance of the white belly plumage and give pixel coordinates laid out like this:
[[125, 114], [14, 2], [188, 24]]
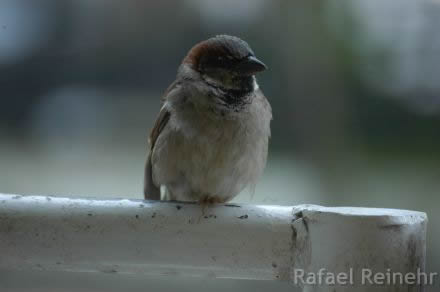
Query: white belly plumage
[[215, 158]]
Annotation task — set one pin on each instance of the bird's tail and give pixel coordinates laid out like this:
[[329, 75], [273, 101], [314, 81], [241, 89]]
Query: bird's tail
[[151, 191]]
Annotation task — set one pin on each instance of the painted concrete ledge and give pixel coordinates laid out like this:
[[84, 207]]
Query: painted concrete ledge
[[226, 241]]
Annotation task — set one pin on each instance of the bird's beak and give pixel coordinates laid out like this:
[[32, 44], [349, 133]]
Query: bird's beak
[[250, 66]]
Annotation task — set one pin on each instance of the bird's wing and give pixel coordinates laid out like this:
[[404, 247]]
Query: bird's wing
[[151, 191]]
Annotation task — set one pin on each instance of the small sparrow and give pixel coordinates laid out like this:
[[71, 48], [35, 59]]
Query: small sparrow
[[210, 139]]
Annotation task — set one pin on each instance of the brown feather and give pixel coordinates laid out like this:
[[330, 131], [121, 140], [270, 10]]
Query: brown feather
[[151, 191]]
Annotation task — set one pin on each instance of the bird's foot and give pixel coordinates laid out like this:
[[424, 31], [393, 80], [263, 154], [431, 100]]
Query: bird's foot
[[209, 201]]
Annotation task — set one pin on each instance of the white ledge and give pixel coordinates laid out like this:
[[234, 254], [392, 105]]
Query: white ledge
[[225, 241]]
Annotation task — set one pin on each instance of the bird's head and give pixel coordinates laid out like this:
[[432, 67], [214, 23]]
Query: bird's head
[[225, 61]]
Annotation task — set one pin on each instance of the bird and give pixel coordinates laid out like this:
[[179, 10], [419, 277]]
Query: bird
[[210, 139]]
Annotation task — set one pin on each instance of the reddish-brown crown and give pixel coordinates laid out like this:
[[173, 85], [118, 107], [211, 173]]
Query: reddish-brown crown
[[221, 46], [194, 55]]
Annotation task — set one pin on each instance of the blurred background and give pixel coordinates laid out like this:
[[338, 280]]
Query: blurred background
[[354, 86]]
